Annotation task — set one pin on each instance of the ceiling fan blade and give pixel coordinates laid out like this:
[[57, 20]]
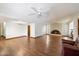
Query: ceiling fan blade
[[35, 9]]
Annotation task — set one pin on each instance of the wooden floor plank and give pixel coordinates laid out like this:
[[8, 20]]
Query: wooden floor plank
[[47, 45]]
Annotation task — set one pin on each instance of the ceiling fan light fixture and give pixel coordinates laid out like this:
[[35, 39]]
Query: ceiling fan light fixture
[[38, 12]]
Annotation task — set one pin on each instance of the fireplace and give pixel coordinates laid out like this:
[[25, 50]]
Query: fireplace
[[55, 32]]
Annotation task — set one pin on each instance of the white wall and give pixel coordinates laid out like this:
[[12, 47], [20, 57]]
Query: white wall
[[2, 31], [46, 29], [75, 31], [39, 29], [15, 30], [65, 29]]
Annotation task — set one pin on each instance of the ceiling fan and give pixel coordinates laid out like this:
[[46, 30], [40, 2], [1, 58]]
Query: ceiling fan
[[38, 12]]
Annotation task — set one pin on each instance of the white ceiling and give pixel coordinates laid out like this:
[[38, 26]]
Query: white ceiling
[[22, 11]]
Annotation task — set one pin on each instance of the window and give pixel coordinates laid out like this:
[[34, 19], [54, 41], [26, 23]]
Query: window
[[71, 25]]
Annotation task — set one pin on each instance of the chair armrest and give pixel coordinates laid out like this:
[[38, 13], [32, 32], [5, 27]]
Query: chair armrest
[[68, 42], [73, 47]]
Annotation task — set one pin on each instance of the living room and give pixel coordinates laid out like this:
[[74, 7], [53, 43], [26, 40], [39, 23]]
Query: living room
[[22, 20]]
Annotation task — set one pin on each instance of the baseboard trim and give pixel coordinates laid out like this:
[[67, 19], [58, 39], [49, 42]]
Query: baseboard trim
[[32, 37], [40, 36], [26, 36], [15, 37]]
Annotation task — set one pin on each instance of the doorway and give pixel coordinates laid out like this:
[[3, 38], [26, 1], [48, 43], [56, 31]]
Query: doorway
[[29, 31]]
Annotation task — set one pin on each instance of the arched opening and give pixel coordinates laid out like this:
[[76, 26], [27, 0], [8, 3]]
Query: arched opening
[[55, 32]]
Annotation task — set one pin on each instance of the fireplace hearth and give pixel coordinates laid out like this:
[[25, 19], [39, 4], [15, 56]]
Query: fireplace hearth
[[55, 32]]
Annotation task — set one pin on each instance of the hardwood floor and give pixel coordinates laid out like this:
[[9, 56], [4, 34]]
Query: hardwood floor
[[47, 45]]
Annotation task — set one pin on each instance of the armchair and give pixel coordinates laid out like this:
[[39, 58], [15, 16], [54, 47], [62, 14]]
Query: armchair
[[71, 48]]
